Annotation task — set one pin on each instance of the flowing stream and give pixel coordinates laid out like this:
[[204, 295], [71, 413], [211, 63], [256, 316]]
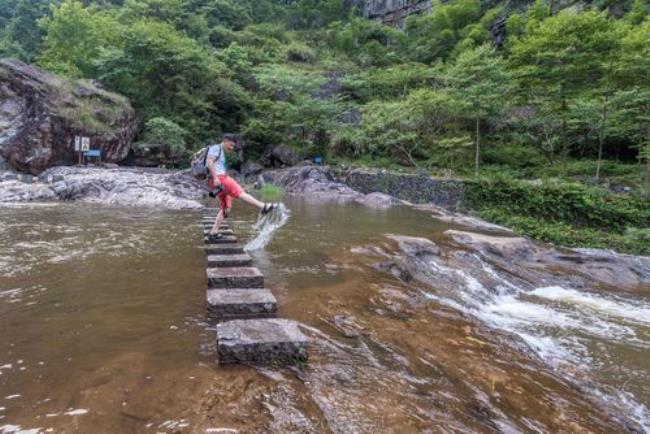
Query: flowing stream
[[104, 330]]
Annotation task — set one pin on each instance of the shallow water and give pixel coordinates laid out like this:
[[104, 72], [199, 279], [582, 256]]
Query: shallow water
[[102, 312]]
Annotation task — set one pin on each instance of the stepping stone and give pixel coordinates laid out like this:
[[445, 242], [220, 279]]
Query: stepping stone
[[210, 223], [241, 303], [242, 260], [261, 340], [234, 277], [228, 239], [207, 229], [223, 249]]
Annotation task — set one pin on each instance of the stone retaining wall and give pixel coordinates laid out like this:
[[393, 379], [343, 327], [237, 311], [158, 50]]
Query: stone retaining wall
[[447, 193]]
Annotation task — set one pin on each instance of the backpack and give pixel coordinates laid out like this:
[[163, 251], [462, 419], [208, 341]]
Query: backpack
[[199, 166]]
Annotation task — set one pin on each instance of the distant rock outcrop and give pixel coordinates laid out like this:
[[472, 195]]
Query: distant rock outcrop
[[394, 12], [40, 114]]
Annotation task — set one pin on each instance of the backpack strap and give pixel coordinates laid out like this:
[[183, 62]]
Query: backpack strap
[[207, 149]]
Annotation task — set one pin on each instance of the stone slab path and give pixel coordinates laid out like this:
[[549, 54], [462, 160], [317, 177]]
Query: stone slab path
[[247, 330]]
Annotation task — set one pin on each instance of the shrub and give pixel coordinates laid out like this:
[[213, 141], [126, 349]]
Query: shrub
[[162, 131], [297, 52]]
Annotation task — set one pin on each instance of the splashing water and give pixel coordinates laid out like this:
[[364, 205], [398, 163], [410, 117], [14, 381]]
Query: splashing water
[[266, 227]]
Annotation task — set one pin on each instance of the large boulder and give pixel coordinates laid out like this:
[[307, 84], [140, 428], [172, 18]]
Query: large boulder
[[280, 156], [151, 155], [41, 113]]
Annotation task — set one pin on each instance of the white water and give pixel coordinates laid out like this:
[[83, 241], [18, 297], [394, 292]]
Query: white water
[[575, 332], [266, 226]]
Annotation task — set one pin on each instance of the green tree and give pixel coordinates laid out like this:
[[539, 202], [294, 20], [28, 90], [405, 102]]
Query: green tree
[[74, 38], [170, 75], [22, 35], [560, 57], [480, 84]]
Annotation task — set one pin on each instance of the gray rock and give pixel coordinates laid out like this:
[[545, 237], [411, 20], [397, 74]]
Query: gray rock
[[227, 239], [251, 169], [538, 263], [207, 227], [223, 249], [280, 156], [243, 260], [241, 303], [261, 340], [393, 12], [39, 119], [378, 200], [313, 182], [234, 277]]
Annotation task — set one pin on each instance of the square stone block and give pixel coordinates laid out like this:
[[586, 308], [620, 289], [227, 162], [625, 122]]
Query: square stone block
[[223, 249], [242, 260], [261, 340], [241, 303], [234, 277], [227, 239], [207, 229]]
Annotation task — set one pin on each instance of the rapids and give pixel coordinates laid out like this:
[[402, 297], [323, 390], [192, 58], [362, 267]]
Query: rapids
[[102, 312]]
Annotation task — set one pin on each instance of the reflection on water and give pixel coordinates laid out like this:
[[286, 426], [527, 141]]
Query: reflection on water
[[104, 331]]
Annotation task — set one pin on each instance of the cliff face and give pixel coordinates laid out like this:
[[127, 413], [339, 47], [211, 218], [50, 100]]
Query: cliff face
[[40, 114], [394, 12]]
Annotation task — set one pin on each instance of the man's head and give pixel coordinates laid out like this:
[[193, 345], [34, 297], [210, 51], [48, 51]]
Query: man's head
[[229, 142]]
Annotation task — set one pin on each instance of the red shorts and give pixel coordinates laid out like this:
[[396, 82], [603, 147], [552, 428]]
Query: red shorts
[[230, 189]]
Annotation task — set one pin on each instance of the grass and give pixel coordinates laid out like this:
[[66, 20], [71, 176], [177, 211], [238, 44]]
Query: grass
[[271, 193]]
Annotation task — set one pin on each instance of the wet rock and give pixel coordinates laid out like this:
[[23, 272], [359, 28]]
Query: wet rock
[[447, 216], [626, 272], [240, 303], [127, 187], [378, 200], [511, 247], [416, 246], [395, 269], [261, 340], [39, 118], [15, 191], [243, 260], [223, 249], [226, 239], [234, 277], [313, 182]]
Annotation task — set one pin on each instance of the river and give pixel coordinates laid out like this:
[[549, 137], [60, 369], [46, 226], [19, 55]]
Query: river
[[104, 330]]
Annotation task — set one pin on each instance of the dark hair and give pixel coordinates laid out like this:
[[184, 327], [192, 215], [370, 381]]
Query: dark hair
[[233, 138]]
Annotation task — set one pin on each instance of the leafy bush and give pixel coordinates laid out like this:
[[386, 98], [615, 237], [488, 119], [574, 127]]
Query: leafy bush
[[162, 131], [569, 203], [271, 193], [297, 52]]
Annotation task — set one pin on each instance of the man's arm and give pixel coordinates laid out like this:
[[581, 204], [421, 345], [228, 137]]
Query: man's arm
[[213, 172]]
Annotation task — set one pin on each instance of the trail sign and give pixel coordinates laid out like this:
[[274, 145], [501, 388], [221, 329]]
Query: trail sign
[[77, 143], [85, 144]]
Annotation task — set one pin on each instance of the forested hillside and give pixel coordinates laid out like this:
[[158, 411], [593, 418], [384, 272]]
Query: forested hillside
[[510, 89]]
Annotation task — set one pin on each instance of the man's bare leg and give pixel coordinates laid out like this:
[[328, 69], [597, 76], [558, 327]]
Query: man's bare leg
[[218, 220], [251, 200]]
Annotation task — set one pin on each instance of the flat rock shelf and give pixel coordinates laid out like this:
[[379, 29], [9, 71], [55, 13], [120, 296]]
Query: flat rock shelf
[[247, 330]]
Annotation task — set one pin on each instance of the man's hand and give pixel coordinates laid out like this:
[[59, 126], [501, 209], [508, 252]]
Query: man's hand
[[218, 189]]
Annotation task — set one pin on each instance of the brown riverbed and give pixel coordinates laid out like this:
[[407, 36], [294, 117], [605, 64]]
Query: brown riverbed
[[102, 312]]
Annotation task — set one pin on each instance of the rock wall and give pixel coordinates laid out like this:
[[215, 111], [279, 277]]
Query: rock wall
[[447, 193], [394, 12], [350, 184], [40, 114]]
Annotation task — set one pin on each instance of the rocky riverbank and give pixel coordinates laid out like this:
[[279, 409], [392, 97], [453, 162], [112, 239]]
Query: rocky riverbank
[[109, 186]]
